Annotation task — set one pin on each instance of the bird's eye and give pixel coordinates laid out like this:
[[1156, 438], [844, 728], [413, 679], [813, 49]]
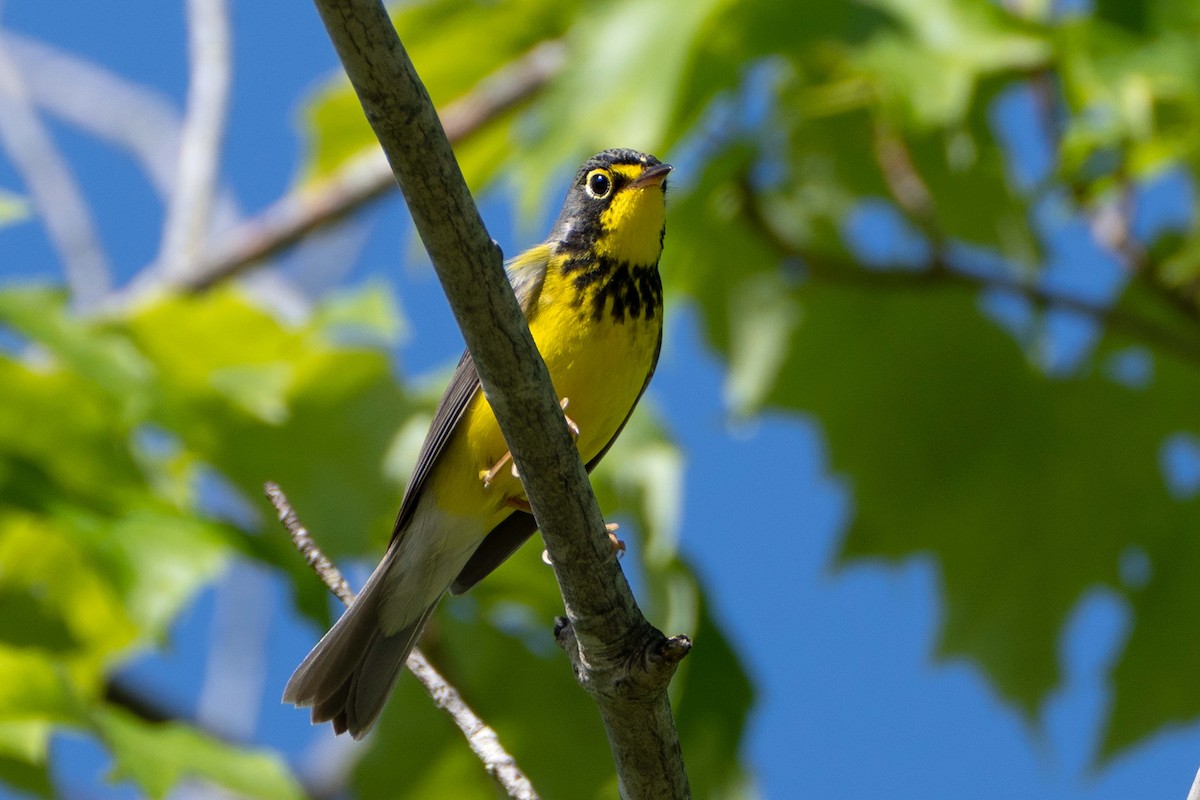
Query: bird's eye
[[599, 184]]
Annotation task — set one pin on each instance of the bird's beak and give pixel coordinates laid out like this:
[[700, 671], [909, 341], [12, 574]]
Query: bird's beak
[[653, 176]]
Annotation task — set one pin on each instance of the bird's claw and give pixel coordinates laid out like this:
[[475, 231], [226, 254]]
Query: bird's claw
[[618, 546], [571, 426], [488, 476]]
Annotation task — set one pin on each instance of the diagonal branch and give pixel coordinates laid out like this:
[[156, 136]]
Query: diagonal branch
[[622, 661], [367, 177], [481, 738]]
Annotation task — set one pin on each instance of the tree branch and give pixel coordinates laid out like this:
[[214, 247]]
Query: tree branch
[[367, 177], [190, 206], [482, 740], [622, 661], [1194, 794], [939, 271]]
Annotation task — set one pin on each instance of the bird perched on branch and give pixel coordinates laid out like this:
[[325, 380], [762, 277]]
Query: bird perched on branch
[[593, 299]]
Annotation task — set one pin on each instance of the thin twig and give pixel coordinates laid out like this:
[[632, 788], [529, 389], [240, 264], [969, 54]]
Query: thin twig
[[482, 740], [59, 202], [367, 177], [326, 570], [189, 211]]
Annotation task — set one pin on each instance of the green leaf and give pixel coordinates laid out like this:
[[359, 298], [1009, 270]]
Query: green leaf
[[23, 776], [13, 208], [927, 69], [1029, 491], [101, 357], [621, 87], [43, 562], [157, 756], [454, 44], [28, 741], [157, 560], [23, 751], [260, 400], [33, 688]]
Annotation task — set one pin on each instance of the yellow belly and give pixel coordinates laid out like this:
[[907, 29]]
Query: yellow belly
[[599, 366]]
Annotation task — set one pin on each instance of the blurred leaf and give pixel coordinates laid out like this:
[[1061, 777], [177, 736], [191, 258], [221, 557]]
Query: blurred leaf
[[621, 87], [958, 434], [737, 36], [106, 360], [156, 756], [45, 562], [974, 201], [453, 44], [79, 456], [23, 776], [13, 208], [927, 69], [32, 689], [364, 317], [259, 400], [23, 749], [157, 561], [25, 740]]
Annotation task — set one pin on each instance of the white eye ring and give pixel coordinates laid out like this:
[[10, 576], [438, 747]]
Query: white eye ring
[[598, 184]]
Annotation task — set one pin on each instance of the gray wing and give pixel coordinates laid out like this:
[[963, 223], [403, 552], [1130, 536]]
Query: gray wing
[[464, 384]]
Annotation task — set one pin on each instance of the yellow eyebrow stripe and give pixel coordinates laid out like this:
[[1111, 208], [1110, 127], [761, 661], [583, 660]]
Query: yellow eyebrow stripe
[[630, 171]]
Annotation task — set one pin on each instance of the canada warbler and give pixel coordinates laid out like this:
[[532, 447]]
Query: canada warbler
[[593, 299]]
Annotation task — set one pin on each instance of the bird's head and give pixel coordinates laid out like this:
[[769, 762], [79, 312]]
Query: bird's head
[[616, 208]]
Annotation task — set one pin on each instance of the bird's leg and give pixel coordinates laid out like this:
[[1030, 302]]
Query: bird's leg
[[571, 426], [489, 475], [618, 547]]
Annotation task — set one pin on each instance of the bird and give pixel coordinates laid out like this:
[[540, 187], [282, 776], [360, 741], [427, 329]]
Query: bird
[[593, 298]]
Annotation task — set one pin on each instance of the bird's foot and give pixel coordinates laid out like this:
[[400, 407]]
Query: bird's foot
[[618, 546], [571, 426], [488, 476]]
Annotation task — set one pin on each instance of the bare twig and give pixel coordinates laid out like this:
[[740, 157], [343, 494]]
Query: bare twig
[[482, 740], [326, 570], [59, 202], [367, 177], [620, 659], [190, 208], [1194, 794]]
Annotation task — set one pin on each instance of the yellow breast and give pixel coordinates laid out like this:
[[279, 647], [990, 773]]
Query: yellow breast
[[598, 360]]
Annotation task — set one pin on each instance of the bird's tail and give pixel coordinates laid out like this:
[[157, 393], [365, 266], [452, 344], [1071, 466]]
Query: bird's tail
[[349, 675]]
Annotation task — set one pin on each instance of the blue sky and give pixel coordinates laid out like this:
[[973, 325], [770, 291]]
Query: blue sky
[[851, 702]]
